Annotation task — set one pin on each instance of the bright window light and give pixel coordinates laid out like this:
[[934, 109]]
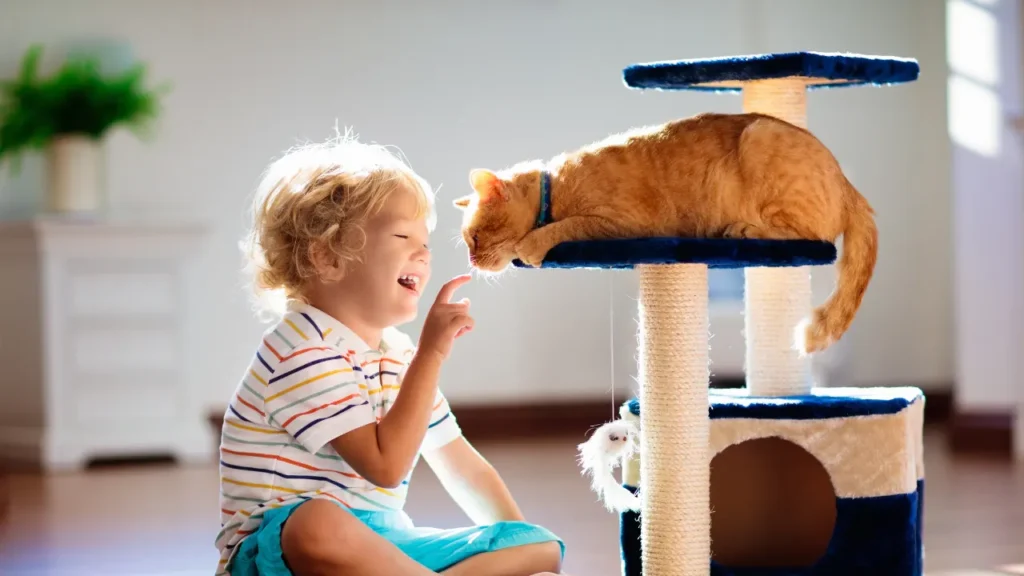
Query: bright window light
[[974, 116], [972, 41]]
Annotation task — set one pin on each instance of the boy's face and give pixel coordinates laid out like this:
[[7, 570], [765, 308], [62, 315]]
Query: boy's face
[[388, 281]]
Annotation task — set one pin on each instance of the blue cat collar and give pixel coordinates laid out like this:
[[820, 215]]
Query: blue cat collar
[[544, 213]]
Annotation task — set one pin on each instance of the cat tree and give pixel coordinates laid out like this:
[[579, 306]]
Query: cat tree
[[867, 441]]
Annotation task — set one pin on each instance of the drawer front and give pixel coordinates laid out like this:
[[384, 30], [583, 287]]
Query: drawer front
[[142, 402], [118, 349], [113, 293], [124, 373]]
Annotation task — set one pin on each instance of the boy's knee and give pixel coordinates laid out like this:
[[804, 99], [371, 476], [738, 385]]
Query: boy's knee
[[544, 557], [316, 537]]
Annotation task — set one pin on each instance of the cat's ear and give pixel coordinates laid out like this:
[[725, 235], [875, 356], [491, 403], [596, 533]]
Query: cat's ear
[[462, 202], [487, 184]]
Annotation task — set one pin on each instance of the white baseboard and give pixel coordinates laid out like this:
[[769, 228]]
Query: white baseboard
[[30, 445]]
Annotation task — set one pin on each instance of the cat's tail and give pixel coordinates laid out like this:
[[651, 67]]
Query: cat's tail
[[856, 265]]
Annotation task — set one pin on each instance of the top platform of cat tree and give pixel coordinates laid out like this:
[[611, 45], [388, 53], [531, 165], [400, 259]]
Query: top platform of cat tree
[[729, 74], [715, 252]]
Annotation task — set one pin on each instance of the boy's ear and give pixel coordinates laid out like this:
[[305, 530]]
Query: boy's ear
[[325, 264], [488, 185], [462, 202]]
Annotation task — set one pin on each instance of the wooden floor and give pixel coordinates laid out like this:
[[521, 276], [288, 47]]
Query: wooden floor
[[162, 519]]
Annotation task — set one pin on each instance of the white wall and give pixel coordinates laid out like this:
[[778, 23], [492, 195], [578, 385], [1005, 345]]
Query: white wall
[[985, 97], [464, 84]]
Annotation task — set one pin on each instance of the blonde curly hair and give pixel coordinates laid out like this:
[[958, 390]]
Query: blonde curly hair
[[317, 198]]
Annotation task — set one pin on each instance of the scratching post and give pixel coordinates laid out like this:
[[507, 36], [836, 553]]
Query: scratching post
[[784, 98], [776, 299], [850, 457], [674, 370]]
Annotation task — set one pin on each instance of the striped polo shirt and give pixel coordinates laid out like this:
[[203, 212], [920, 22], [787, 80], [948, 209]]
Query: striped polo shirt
[[311, 380]]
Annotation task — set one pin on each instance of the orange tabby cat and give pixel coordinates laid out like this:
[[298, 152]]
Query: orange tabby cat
[[711, 175]]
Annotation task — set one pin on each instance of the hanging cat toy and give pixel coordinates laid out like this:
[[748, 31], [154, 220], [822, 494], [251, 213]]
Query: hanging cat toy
[[610, 446]]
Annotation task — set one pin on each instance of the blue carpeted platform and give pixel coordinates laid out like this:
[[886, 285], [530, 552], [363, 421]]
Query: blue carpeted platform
[[820, 404], [828, 70], [715, 252]]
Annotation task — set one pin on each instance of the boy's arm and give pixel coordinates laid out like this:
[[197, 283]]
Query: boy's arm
[[384, 452], [472, 482]]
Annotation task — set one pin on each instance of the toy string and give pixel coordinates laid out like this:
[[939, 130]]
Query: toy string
[[611, 336]]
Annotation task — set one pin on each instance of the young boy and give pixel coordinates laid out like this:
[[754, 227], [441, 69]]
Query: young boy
[[318, 444]]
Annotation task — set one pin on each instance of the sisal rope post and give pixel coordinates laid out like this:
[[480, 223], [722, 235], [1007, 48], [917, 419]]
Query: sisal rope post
[[674, 424], [776, 299]]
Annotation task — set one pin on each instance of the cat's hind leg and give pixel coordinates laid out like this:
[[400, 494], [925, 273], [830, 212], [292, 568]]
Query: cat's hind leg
[[793, 221], [744, 231]]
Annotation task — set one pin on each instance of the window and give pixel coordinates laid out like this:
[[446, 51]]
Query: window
[[972, 52]]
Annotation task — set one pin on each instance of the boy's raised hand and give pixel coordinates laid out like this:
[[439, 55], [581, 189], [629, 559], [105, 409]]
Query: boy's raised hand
[[446, 320]]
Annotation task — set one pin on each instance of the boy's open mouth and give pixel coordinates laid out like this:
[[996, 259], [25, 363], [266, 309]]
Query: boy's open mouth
[[410, 282]]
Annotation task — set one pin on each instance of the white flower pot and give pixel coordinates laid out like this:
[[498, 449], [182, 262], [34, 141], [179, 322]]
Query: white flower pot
[[73, 174]]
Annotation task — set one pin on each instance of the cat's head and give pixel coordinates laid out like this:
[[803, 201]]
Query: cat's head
[[500, 211]]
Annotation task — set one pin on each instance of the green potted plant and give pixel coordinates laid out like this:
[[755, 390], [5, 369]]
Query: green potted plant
[[67, 115]]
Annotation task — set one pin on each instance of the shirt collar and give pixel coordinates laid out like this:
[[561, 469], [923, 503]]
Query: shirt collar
[[393, 342]]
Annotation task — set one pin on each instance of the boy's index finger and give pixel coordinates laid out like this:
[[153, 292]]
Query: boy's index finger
[[449, 288]]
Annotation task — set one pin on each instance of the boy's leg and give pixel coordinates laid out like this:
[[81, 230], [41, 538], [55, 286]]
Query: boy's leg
[[321, 538], [525, 560]]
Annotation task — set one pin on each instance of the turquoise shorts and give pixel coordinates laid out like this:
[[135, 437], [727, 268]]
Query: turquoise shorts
[[259, 554]]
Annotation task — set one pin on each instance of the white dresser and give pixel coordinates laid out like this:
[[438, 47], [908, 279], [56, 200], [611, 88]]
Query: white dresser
[[95, 342]]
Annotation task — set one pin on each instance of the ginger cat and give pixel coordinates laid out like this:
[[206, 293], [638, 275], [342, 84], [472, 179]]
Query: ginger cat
[[711, 175]]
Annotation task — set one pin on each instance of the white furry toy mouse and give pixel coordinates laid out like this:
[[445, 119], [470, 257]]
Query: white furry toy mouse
[[610, 445]]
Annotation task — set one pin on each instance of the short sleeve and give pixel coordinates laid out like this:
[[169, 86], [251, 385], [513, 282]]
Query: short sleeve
[[315, 396], [442, 428]]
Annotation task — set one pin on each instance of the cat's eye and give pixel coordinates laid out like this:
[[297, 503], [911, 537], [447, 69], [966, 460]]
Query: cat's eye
[[402, 236], [474, 240]]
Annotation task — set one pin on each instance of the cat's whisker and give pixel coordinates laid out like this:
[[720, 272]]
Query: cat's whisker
[[478, 273], [486, 276]]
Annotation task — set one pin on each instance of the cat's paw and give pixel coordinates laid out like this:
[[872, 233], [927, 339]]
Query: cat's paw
[[531, 252]]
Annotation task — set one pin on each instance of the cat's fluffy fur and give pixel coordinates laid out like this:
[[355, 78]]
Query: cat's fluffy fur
[[711, 175]]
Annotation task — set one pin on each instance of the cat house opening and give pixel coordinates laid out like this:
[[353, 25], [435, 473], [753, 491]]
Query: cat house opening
[[772, 504]]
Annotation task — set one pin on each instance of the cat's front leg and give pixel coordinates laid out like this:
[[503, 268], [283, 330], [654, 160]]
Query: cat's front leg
[[537, 243], [534, 247]]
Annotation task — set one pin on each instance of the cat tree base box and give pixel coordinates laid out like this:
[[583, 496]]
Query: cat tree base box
[[830, 483]]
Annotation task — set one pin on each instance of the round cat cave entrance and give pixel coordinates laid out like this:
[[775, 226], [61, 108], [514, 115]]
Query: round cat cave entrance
[[773, 505]]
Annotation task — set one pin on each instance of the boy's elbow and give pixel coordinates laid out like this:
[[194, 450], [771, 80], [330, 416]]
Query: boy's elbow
[[384, 474], [359, 448], [391, 484], [391, 471], [390, 477]]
